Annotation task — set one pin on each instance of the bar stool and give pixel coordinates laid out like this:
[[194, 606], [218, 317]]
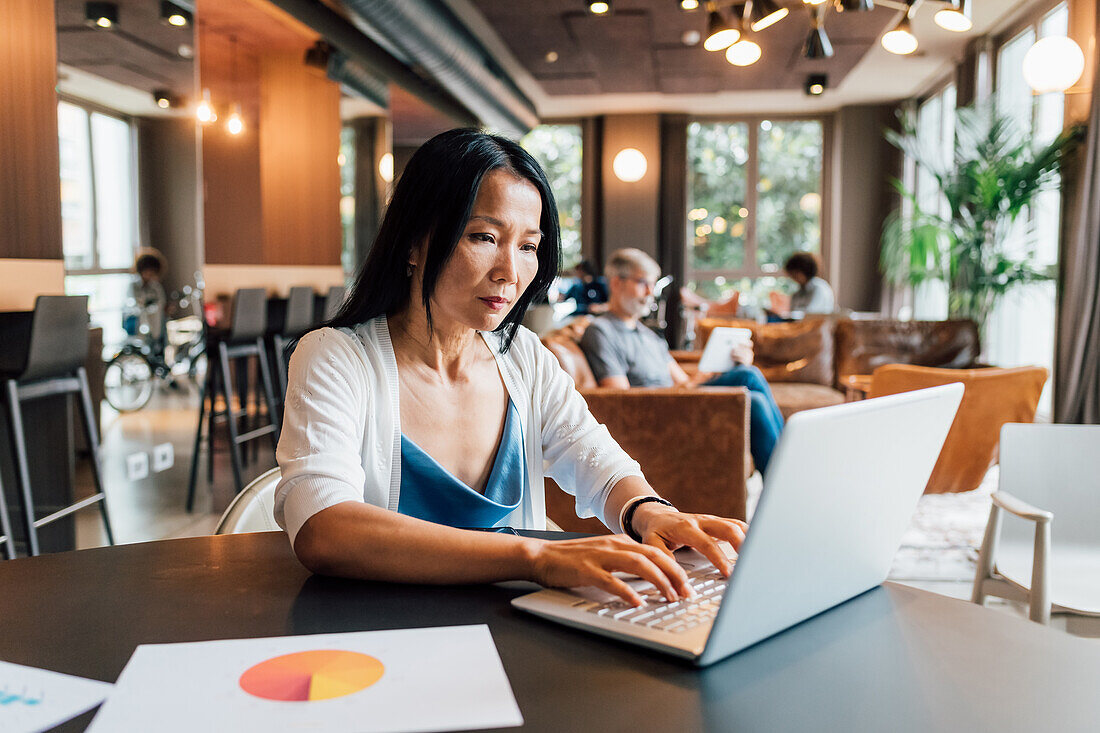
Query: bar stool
[[244, 339], [54, 365], [5, 526], [333, 301], [299, 319]]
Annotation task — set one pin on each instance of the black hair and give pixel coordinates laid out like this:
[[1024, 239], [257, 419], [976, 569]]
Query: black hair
[[148, 262], [588, 268], [431, 204], [803, 262]]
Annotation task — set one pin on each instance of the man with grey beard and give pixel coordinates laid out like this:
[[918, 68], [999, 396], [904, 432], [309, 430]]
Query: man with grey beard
[[624, 353]]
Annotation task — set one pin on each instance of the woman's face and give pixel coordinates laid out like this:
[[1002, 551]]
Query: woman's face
[[495, 259]]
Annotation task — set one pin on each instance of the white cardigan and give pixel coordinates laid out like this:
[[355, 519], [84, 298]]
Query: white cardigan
[[341, 436]]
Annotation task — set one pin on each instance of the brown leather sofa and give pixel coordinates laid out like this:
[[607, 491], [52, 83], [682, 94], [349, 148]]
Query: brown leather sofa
[[692, 444], [807, 363]]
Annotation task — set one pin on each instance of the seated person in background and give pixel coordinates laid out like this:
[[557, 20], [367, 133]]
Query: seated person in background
[[149, 299], [814, 294], [624, 353], [589, 291], [426, 411]]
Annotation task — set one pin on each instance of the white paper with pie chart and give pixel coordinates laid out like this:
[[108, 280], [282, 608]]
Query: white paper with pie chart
[[443, 678]]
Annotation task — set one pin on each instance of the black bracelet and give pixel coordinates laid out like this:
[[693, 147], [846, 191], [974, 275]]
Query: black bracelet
[[628, 518]]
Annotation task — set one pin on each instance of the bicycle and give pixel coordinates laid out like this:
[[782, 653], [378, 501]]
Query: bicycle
[[130, 375]]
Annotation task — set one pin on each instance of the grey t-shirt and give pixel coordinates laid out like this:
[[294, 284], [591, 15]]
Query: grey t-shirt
[[614, 349]]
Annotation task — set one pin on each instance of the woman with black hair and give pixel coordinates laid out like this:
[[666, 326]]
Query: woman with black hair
[[424, 408]]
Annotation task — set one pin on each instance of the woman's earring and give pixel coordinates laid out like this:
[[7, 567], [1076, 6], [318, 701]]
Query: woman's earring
[[408, 270]]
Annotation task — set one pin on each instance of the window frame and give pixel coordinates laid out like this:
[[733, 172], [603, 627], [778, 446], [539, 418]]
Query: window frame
[[751, 268], [91, 108]]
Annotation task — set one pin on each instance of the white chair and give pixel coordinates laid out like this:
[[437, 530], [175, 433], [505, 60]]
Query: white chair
[[252, 510], [1046, 551]]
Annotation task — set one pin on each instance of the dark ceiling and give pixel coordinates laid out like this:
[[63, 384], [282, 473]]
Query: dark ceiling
[[141, 52], [639, 47]]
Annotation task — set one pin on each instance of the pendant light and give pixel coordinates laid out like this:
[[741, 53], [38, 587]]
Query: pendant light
[[955, 17], [235, 124], [764, 14], [817, 45], [205, 110], [900, 39], [720, 34], [858, 6]]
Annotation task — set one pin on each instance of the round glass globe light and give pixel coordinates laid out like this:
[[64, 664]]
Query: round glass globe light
[[900, 42], [1053, 64], [629, 165], [385, 167], [743, 53]]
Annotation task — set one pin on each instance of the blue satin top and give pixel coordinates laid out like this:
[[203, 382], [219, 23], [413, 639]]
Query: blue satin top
[[432, 493]]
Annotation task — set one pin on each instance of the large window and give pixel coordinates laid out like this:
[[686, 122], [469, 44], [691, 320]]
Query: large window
[[1021, 329], [558, 149], [755, 198], [936, 131], [98, 211]]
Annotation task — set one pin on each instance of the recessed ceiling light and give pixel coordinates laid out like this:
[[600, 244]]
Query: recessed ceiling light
[[689, 4], [101, 14], [599, 7], [691, 38], [174, 15], [551, 57], [185, 51]]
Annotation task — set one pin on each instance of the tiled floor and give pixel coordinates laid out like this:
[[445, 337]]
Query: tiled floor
[[938, 551]]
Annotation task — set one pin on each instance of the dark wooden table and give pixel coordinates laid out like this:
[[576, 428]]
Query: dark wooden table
[[892, 659]]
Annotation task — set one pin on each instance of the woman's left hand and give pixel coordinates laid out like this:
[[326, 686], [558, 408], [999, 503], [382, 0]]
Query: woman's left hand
[[668, 529]]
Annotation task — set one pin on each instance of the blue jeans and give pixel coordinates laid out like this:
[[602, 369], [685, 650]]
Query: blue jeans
[[765, 419]]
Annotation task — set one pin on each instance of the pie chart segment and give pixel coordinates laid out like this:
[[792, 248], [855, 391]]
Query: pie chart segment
[[320, 674]]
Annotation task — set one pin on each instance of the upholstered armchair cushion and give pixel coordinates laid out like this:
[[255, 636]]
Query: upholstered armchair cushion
[[799, 351], [571, 358], [992, 398], [863, 346], [692, 446]]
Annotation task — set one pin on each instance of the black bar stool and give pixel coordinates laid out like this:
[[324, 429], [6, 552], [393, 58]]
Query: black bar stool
[[244, 339], [299, 319], [5, 526], [54, 365], [333, 301]]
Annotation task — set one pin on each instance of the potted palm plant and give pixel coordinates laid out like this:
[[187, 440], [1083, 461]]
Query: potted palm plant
[[985, 191]]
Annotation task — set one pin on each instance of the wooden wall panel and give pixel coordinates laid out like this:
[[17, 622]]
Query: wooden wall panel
[[230, 164], [30, 198], [300, 178]]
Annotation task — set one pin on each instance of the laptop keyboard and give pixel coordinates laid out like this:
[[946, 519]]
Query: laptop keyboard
[[678, 616]]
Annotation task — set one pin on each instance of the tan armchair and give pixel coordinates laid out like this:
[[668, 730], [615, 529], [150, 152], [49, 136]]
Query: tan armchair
[[692, 444], [993, 397]]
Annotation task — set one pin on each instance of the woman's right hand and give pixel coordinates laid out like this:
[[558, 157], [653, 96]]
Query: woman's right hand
[[592, 560]]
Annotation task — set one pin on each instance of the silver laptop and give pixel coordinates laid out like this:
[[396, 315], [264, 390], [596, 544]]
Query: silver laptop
[[840, 491]]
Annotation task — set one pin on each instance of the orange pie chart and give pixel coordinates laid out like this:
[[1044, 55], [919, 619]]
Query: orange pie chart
[[320, 674]]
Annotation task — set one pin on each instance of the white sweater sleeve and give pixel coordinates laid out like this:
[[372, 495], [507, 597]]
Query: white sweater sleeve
[[320, 448], [579, 453]]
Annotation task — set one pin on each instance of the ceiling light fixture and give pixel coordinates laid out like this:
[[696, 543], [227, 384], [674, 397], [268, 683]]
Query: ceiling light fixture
[[689, 4], [205, 109], [1053, 64], [816, 84], [720, 34], [235, 124], [813, 2], [163, 98], [174, 15], [745, 52], [900, 38], [599, 7], [101, 15], [955, 17], [764, 14], [817, 45]]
